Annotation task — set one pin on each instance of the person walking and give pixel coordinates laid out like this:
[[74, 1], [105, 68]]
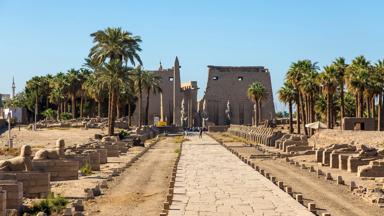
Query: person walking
[[200, 132]]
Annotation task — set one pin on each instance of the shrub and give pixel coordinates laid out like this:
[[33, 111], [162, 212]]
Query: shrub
[[123, 134], [50, 205], [49, 114], [65, 116], [86, 170]]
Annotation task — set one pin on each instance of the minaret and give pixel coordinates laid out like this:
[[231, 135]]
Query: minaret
[[160, 67], [13, 87]]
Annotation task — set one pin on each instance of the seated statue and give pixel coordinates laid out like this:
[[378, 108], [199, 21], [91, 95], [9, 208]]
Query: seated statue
[[20, 163], [56, 153]]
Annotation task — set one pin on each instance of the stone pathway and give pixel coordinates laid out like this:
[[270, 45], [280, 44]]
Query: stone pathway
[[211, 181]]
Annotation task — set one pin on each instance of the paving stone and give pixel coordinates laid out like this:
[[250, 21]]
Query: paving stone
[[210, 180]]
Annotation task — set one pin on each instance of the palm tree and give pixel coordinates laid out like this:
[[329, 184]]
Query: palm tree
[[151, 82], [138, 75], [296, 73], [59, 88], [114, 46], [73, 79], [112, 75], [379, 75], [287, 94], [341, 66], [34, 88], [257, 92], [357, 74], [328, 83]]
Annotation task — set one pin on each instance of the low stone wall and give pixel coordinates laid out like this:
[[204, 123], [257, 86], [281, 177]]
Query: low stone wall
[[3, 202], [35, 184], [60, 170], [14, 193], [218, 128], [373, 169]]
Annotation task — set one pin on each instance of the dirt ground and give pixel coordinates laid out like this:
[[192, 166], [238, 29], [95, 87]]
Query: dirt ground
[[328, 196], [43, 138], [142, 188]]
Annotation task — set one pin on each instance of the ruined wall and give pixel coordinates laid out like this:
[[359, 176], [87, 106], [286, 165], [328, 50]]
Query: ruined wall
[[231, 83]]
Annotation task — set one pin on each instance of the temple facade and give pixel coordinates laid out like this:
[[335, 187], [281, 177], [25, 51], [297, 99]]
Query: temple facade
[[226, 95], [175, 99]]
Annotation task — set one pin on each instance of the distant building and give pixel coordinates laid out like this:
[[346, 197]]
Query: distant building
[[227, 83], [166, 106]]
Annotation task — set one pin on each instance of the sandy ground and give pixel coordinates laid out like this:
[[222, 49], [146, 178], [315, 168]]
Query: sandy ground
[[142, 188], [43, 138], [328, 196]]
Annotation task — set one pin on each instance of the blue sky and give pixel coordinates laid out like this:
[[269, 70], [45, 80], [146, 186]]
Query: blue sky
[[40, 37]]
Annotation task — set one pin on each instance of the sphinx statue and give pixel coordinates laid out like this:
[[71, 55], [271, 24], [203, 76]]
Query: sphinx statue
[[22, 162], [55, 153]]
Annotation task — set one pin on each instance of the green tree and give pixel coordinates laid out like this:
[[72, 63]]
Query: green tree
[[288, 94], [328, 82], [257, 92], [114, 48], [341, 67]]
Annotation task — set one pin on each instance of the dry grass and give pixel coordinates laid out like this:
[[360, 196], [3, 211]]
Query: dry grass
[[9, 151], [180, 139]]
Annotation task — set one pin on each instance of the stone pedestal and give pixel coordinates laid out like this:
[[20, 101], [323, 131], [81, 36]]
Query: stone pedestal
[[355, 162], [14, 194], [35, 184], [3, 202], [83, 159], [319, 155], [94, 159], [60, 170], [374, 169]]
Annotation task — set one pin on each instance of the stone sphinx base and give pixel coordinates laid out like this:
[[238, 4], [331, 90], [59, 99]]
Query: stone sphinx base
[[3, 202], [35, 184], [373, 169], [60, 170], [14, 193]]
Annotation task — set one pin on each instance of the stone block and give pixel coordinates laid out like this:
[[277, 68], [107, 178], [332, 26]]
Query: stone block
[[60, 170], [3, 202], [94, 159], [343, 161], [35, 184], [319, 155], [373, 169], [14, 194], [354, 162]]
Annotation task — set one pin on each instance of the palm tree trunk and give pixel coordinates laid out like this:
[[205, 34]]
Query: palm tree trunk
[[111, 129], [373, 107], [81, 105], [361, 104], [357, 103], [110, 110], [140, 105], [342, 106], [290, 117], [73, 103], [256, 114], [99, 108], [303, 113], [379, 111], [329, 118], [129, 114], [147, 108], [298, 114], [259, 111], [368, 102]]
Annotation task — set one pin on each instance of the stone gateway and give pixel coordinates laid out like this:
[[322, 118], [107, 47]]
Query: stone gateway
[[228, 84]]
